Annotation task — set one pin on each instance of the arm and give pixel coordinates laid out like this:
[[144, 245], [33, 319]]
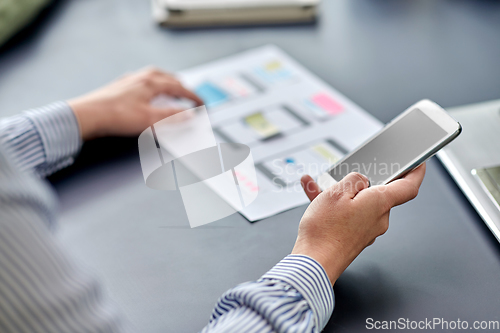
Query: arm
[[297, 295], [294, 296], [41, 290], [43, 140], [47, 139]]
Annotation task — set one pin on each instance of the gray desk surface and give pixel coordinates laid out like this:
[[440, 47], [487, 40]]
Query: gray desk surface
[[437, 260]]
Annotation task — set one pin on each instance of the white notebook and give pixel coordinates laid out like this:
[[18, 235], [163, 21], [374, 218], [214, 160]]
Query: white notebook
[[188, 13]]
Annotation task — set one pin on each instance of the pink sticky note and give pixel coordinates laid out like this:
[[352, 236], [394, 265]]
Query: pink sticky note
[[327, 103]]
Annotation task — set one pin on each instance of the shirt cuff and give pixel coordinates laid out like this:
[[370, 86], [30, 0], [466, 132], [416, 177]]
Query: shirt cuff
[[60, 134], [309, 278]]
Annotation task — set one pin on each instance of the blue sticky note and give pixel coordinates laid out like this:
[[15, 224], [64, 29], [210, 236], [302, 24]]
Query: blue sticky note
[[211, 94]]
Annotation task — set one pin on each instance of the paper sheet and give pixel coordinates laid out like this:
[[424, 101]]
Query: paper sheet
[[293, 122]]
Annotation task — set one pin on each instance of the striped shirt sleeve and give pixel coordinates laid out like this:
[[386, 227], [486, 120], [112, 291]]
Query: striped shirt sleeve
[[41, 289], [42, 140], [294, 296]]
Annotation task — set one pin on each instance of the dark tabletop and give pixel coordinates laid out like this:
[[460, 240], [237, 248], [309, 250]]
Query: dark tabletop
[[437, 259]]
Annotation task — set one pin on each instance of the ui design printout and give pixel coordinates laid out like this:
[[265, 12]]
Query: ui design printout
[[293, 122]]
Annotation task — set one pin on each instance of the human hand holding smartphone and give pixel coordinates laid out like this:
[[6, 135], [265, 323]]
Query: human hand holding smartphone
[[402, 145]]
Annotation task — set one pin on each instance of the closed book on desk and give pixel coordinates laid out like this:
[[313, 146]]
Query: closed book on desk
[[189, 13]]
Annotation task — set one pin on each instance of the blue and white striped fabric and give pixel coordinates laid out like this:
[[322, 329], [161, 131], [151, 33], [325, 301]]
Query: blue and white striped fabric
[[41, 290], [294, 296], [43, 140]]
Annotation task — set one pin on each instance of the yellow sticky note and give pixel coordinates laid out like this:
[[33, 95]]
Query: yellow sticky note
[[261, 125], [273, 65], [325, 153]]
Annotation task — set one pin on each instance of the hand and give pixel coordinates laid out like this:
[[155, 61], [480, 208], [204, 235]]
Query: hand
[[347, 217], [123, 107]]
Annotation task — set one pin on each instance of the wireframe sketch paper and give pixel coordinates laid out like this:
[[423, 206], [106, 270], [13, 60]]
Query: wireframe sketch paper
[[293, 122]]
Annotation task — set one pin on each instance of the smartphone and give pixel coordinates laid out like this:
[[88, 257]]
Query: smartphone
[[402, 145]]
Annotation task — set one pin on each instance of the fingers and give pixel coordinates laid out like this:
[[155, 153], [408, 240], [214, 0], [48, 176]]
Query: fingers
[[310, 187], [353, 183], [161, 82], [417, 174], [180, 91], [405, 189], [169, 87]]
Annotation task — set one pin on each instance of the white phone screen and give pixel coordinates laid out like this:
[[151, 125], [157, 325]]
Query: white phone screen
[[393, 148]]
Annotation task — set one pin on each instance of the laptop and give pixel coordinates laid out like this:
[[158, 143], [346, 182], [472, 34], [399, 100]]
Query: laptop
[[473, 159]]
